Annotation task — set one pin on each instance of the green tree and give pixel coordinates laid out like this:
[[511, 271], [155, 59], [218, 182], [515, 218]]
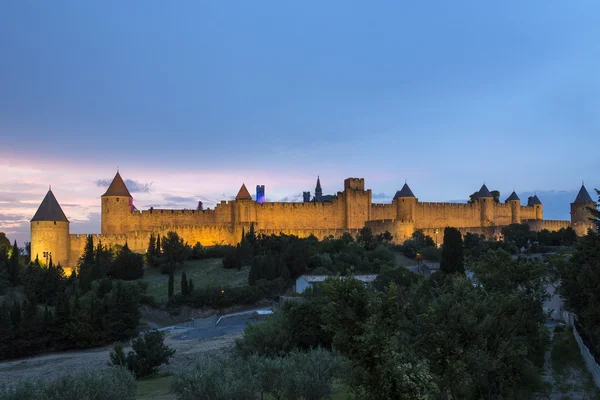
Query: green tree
[[148, 353], [518, 234], [151, 252], [596, 212], [86, 264], [4, 243], [127, 265], [452, 252], [579, 283], [14, 265], [174, 250], [184, 285], [366, 239]]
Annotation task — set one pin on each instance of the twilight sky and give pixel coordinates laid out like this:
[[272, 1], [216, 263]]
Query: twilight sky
[[192, 98]]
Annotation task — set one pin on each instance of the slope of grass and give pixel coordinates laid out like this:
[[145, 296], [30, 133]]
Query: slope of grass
[[568, 367], [204, 273]]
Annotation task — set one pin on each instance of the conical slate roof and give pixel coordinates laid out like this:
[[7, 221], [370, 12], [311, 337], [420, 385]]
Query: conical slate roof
[[583, 196], [404, 192], [533, 201], [243, 194], [484, 192], [117, 187], [318, 188], [513, 196], [49, 210]]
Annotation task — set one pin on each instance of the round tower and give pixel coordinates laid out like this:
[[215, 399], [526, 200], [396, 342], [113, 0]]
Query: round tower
[[50, 233], [536, 203], [580, 213], [117, 205], [514, 203], [486, 206], [405, 202]]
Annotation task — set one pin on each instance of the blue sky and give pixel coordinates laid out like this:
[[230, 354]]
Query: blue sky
[[194, 98]]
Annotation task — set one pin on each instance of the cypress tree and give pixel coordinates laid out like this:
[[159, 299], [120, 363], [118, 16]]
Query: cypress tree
[[184, 284], [158, 247], [171, 288], [151, 252], [253, 274], [36, 262], [13, 265], [86, 264], [452, 252]]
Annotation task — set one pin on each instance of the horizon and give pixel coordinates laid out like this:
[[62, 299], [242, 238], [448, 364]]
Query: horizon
[[190, 101]]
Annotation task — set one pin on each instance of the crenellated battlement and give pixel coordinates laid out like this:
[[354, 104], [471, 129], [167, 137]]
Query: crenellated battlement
[[350, 211]]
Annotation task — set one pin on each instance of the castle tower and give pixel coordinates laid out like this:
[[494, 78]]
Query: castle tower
[[515, 207], [117, 205], [260, 194], [306, 197], [580, 213], [536, 203], [357, 203], [405, 202], [244, 211], [486, 204], [318, 191], [50, 232]]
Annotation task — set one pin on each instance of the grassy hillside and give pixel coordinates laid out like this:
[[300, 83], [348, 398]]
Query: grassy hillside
[[204, 273]]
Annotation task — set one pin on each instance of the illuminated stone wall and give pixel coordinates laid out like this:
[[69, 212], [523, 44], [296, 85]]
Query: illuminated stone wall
[[349, 212], [50, 236]]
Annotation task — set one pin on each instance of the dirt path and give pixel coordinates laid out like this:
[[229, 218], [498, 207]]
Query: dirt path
[[53, 365]]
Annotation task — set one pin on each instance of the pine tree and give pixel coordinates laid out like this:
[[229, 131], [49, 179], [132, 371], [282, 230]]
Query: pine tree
[[151, 252], [452, 252], [86, 264], [184, 284], [13, 265]]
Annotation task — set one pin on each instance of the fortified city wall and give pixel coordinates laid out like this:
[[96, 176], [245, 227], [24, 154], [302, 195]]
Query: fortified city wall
[[348, 211]]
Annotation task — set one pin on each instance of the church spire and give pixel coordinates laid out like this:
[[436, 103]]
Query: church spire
[[318, 190]]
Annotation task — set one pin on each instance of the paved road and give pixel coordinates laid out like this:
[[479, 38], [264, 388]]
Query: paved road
[[206, 328]]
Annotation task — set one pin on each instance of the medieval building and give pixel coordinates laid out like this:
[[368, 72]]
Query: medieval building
[[347, 211]]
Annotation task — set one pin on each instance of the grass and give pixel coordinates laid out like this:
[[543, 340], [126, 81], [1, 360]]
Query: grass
[[204, 273], [568, 367], [155, 388], [158, 387]]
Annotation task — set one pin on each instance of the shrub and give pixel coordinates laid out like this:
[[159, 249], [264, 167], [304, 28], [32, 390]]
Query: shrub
[[148, 353], [431, 253], [108, 384]]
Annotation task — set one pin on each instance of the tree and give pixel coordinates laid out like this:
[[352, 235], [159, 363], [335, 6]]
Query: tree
[[596, 212], [4, 243], [148, 353], [200, 206], [151, 252], [14, 265], [452, 252], [518, 234], [366, 239], [127, 265], [174, 250], [86, 264], [184, 285]]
